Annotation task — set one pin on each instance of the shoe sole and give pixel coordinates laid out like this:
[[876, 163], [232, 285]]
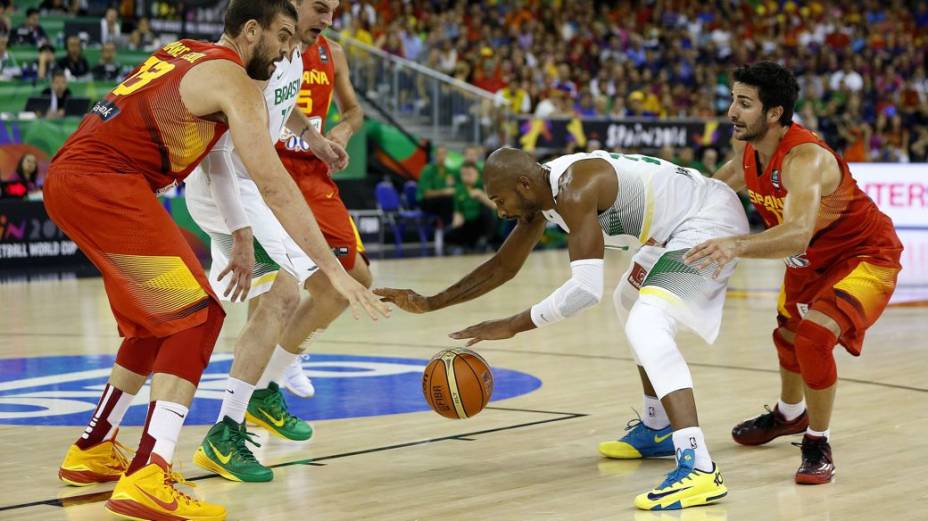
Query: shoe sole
[[131, 510], [706, 498], [201, 459], [273, 430], [813, 480], [84, 478]]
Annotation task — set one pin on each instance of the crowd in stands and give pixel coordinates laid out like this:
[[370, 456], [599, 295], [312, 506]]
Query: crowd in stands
[[861, 65]]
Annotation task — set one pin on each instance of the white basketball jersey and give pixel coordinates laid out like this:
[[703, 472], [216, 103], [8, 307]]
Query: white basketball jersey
[[280, 97], [655, 196]]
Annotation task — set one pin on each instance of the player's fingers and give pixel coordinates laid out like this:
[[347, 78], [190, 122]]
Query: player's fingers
[[367, 305], [473, 341], [462, 334], [378, 306], [353, 303], [225, 272], [245, 285]]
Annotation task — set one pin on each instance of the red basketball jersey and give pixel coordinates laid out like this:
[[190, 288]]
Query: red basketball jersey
[[849, 223], [315, 95], [142, 127]]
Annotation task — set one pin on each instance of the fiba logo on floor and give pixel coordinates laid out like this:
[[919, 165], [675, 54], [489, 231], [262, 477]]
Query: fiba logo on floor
[[50, 391]]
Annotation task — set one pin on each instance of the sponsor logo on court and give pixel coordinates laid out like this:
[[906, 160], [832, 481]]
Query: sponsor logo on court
[[64, 390]]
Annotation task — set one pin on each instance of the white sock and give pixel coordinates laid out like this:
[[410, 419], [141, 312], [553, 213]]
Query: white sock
[[655, 417], [164, 427], [276, 366], [791, 411], [819, 434], [235, 400], [692, 438], [119, 410]]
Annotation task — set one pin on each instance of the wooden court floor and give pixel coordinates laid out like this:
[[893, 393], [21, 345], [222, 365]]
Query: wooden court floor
[[530, 457]]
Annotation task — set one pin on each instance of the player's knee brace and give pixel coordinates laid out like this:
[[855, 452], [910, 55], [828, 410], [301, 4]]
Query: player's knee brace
[[786, 352], [185, 354], [815, 353], [138, 354], [651, 331]]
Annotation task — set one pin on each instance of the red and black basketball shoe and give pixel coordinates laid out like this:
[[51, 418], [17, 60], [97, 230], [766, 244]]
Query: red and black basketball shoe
[[772, 424]]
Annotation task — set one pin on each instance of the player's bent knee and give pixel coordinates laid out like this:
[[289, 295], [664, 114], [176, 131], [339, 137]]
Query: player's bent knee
[[651, 331], [786, 350], [321, 289], [138, 354], [186, 353], [815, 354]]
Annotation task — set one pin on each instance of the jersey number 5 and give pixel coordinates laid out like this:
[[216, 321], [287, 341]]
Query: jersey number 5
[[148, 72]]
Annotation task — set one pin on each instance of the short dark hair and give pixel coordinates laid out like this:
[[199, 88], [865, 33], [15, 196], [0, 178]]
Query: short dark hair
[[59, 72], [264, 11], [31, 11], [776, 86], [469, 164]]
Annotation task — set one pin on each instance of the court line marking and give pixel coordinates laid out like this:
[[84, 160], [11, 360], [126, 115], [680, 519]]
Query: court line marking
[[96, 497], [617, 358]]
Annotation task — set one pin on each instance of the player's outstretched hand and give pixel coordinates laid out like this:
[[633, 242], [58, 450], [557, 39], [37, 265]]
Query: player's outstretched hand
[[241, 265], [489, 330], [717, 252], [405, 299], [359, 297]]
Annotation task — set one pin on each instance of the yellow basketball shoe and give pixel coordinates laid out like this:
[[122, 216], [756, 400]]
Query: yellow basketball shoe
[[685, 487], [149, 495], [100, 463]]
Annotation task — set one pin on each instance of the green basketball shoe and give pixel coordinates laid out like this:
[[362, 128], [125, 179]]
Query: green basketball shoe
[[223, 451], [268, 408]]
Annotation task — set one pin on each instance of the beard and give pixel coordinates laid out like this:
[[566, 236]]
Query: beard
[[753, 132], [259, 68]]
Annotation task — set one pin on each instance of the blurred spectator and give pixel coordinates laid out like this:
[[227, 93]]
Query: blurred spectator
[[142, 38], [710, 161], [41, 68], [474, 222], [436, 187], [59, 93], [74, 61], [55, 7], [9, 69], [110, 28], [27, 171], [688, 159], [108, 69], [475, 154], [5, 24], [30, 32]]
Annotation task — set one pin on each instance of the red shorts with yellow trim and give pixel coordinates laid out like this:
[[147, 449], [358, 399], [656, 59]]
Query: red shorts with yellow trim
[[154, 282], [321, 193], [853, 292]]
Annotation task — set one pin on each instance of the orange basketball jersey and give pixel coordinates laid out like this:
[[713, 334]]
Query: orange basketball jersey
[[315, 95], [142, 127], [849, 223]]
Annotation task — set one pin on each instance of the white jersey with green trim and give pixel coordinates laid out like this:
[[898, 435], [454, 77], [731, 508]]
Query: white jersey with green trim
[[280, 97], [655, 197]]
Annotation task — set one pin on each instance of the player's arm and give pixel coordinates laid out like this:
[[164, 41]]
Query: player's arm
[[490, 275], [237, 98], [345, 98], [223, 186], [577, 204], [805, 169], [732, 172]]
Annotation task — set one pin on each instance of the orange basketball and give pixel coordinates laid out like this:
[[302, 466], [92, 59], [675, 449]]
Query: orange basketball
[[457, 383]]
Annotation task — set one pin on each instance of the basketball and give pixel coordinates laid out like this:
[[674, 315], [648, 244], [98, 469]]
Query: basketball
[[457, 383]]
